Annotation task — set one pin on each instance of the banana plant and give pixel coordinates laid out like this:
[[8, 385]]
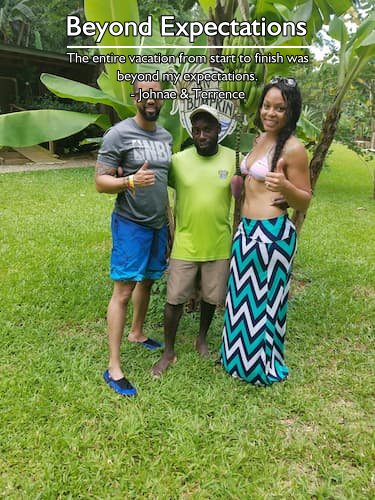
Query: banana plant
[[110, 91], [48, 125], [355, 52]]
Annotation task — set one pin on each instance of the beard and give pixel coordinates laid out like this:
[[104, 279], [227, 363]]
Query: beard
[[150, 116]]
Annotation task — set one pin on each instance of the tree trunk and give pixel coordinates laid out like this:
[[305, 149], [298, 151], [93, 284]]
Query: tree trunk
[[316, 164], [218, 15], [237, 212], [325, 140], [298, 218]]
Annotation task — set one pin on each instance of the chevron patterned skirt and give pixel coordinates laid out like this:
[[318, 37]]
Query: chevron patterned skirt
[[252, 346]]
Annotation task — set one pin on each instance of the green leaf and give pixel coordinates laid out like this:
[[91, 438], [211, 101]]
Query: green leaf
[[121, 11], [104, 83], [206, 4], [265, 8], [365, 29], [283, 11], [314, 24], [338, 7], [200, 41], [289, 4], [28, 128], [246, 141], [303, 12], [38, 40], [272, 10], [366, 49], [361, 45], [306, 130], [281, 69], [172, 124], [327, 8], [338, 30], [25, 11], [70, 89], [158, 40], [324, 9]]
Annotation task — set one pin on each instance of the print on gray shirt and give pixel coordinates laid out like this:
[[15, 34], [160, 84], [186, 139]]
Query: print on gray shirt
[[129, 146]]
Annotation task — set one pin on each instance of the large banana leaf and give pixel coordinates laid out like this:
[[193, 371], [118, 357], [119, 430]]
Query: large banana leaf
[[123, 110], [265, 8], [338, 30], [366, 49], [157, 40], [322, 12], [314, 12], [146, 43], [338, 7], [28, 128], [360, 49], [70, 89], [284, 68], [365, 30], [325, 11], [123, 11], [172, 124]]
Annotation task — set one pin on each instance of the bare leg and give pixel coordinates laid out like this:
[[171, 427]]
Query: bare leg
[[207, 313], [140, 300], [172, 316], [116, 316]]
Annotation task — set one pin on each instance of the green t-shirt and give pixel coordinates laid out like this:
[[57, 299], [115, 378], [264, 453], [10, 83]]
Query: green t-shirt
[[203, 204]]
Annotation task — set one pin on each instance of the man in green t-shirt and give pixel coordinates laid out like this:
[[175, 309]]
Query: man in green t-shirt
[[201, 176]]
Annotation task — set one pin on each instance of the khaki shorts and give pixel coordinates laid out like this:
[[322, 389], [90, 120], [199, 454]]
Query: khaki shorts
[[184, 276]]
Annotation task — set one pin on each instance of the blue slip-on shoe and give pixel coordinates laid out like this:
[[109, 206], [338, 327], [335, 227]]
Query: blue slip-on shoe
[[121, 386], [151, 344]]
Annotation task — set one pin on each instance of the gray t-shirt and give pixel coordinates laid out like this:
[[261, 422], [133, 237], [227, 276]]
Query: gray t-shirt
[[129, 146]]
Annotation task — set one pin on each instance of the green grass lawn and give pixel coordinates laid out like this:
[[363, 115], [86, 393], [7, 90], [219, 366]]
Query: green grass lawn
[[196, 433]]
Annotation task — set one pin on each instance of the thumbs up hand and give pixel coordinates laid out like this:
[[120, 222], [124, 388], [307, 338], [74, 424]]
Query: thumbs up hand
[[144, 176], [276, 181]]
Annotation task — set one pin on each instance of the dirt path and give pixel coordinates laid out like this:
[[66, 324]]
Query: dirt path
[[31, 167]]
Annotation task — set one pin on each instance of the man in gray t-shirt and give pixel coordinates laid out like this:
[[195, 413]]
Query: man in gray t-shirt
[[133, 163], [129, 145]]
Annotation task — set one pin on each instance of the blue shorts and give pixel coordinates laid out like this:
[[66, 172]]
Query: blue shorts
[[138, 252]]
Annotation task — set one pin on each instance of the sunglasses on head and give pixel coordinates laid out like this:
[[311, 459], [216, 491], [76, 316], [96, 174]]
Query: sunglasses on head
[[291, 82]]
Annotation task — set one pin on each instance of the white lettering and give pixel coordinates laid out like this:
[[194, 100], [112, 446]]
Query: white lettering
[[73, 27]]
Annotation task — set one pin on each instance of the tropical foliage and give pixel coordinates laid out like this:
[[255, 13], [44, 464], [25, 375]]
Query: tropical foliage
[[50, 21], [319, 85], [16, 23], [110, 91], [355, 52]]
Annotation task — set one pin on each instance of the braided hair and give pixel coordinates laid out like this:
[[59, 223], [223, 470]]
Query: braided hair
[[292, 97]]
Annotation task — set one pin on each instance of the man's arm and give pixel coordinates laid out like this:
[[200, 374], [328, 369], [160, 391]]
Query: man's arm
[[107, 182]]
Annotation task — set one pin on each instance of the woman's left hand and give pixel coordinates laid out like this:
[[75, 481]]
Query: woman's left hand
[[276, 181]]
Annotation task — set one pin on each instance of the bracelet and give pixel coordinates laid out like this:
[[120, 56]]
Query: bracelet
[[125, 181], [131, 181]]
